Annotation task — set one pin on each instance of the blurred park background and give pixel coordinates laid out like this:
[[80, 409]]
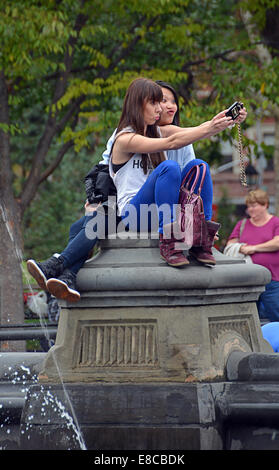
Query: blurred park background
[[64, 68]]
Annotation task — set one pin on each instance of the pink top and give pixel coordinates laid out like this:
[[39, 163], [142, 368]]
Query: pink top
[[253, 235]]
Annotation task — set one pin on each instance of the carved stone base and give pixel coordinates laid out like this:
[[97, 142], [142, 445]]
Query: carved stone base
[[151, 344]]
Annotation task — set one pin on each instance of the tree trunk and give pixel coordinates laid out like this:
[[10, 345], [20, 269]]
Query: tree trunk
[[11, 288], [11, 294]]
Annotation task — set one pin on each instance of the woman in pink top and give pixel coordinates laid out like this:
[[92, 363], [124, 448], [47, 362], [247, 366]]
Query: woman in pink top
[[259, 238]]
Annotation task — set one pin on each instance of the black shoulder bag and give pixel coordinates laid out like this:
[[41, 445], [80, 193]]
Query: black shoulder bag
[[99, 185]]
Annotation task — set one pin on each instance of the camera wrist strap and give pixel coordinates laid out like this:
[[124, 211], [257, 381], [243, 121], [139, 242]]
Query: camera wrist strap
[[241, 159]]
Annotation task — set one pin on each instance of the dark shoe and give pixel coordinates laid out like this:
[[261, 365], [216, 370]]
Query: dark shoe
[[64, 286], [204, 253], [212, 228], [169, 252], [41, 272]]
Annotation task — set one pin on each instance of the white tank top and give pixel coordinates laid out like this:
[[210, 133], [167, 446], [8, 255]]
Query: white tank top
[[130, 177]]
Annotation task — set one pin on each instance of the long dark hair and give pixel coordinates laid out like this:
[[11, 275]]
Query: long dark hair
[[139, 92], [176, 118]]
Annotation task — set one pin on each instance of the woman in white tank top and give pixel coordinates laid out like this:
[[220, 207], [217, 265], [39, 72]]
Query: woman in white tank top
[[138, 146]]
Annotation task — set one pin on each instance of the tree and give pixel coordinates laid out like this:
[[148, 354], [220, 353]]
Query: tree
[[31, 39], [69, 64], [261, 20], [59, 56]]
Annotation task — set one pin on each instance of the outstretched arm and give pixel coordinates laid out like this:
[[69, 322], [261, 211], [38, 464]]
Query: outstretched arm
[[173, 138], [171, 129]]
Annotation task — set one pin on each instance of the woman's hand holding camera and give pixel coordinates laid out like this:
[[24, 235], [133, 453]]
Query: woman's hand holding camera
[[220, 122]]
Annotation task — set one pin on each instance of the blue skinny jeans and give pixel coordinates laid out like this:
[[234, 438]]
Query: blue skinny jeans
[[268, 302], [79, 245], [161, 187]]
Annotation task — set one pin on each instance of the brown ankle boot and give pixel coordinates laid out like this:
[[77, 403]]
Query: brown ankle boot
[[169, 246], [204, 253]]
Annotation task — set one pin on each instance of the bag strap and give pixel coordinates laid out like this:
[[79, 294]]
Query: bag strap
[[193, 173], [243, 179], [190, 176], [243, 223]]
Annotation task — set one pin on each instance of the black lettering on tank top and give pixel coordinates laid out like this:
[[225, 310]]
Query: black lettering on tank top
[[139, 164]]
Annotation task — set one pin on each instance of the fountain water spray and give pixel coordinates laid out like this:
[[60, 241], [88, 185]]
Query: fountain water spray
[[71, 420]]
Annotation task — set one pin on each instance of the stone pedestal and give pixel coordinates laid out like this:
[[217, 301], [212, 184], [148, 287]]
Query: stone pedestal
[[140, 360], [141, 320]]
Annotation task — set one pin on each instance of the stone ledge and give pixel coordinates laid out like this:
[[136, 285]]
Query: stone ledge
[[134, 267]]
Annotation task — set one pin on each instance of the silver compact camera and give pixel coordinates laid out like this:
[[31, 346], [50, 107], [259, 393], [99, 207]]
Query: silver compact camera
[[234, 110]]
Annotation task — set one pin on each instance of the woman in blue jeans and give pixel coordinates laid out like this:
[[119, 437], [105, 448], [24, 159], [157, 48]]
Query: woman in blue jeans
[[148, 178]]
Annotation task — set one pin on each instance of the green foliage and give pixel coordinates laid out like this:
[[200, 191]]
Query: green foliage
[[59, 203], [119, 41], [26, 277], [226, 217], [30, 32], [259, 9]]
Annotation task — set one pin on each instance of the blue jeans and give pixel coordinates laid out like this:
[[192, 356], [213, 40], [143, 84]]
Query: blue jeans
[[83, 238], [268, 302], [162, 189], [79, 245]]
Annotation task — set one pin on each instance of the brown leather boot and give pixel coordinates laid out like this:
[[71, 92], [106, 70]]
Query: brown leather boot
[[169, 242], [204, 253], [170, 254]]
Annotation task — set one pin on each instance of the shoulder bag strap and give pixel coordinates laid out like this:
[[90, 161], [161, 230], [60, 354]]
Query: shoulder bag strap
[[242, 226], [190, 175]]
